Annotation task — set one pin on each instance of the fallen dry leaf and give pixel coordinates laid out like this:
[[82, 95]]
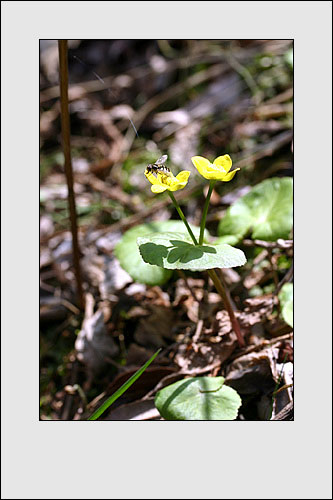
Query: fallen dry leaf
[[94, 345], [145, 383], [158, 325], [191, 358], [254, 373], [137, 410]]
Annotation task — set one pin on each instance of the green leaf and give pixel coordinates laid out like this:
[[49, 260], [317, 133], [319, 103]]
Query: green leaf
[[266, 211], [122, 389], [289, 58], [128, 254], [200, 398], [176, 251], [286, 298]]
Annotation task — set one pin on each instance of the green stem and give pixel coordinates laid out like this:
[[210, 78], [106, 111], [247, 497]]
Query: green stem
[[182, 216], [205, 210], [234, 322]]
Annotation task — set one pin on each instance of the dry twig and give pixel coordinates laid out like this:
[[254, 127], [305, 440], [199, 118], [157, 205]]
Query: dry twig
[[65, 126]]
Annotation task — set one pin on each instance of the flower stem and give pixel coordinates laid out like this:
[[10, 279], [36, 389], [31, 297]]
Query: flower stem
[[205, 210], [182, 216], [234, 322]]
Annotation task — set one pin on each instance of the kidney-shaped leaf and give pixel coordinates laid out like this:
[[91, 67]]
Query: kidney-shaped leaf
[[286, 298], [200, 398], [176, 251], [127, 252], [266, 211]]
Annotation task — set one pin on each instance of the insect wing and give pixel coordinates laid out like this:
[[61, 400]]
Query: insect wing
[[161, 160]]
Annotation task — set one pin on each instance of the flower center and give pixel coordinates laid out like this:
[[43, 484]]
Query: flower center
[[166, 179]]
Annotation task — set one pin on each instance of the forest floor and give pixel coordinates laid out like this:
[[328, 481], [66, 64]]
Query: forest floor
[[130, 102]]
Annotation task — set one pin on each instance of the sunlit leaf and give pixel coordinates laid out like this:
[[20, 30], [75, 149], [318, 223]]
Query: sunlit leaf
[[200, 398], [266, 212], [127, 252], [176, 251], [286, 298]]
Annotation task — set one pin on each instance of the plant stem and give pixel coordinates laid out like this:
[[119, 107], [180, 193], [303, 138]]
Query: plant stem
[[65, 129], [182, 216], [205, 210], [234, 322], [211, 272]]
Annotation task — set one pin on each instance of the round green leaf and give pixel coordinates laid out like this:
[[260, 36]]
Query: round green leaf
[[266, 211], [200, 398], [176, 251], [286, 298], [127, 252]]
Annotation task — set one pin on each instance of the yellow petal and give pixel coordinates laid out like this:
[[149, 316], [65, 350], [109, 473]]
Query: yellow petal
[[158, 188], [200, 162], [183, 176], [214, 175], [178, 182], [151, 177], [230, 175], [219, 170], [202, 165], [223, 161]]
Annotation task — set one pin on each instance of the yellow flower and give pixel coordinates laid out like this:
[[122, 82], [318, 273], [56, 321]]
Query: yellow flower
[[218, 170], [162, 182]]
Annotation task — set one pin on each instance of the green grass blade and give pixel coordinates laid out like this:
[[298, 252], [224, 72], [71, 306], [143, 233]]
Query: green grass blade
[[122, 389]]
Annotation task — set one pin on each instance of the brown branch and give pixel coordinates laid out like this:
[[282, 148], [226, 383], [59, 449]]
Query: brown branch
[[287, 277], [114, 193], [263, 345], [77, 91], [279, 243], [263, 150], [170, 92], [287, 413], [65, 129]]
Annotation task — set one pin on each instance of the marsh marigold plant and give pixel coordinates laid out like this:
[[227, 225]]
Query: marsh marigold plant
[[172, 250]]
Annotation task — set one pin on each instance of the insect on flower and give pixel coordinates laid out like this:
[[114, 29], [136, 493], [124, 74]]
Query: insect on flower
[[158, 167], [162, 179]]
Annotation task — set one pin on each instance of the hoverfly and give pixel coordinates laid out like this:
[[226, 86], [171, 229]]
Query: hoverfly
[[159, 167]]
